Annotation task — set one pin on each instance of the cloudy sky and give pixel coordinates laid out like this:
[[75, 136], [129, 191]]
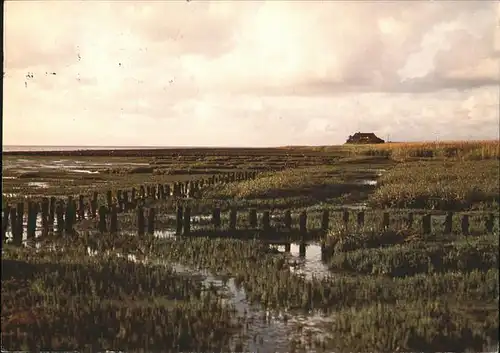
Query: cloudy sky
[[245, 73]]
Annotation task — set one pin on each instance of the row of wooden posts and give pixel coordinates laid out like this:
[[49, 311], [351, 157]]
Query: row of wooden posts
[[108, 220], [68, 213], [183, 221]]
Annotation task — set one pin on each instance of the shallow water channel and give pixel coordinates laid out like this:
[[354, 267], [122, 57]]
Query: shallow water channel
[[264, 331], [271, 331]]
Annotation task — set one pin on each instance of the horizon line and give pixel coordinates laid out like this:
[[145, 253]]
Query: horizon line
[[268, 146]]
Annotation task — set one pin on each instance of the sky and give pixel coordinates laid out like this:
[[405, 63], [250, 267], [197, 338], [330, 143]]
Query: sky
[[243, 73]]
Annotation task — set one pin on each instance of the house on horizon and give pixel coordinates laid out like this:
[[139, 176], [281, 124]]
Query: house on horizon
[[364, 137]]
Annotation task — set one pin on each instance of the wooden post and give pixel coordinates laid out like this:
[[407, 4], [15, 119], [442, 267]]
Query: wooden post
[[216, 218], [303, 224], [20, 220], [167, 190], [196, 188], [142, 192], [52, 210], [179, 219], [119, 201], [60, 217], [190, 189], [427, 224], [159, 190], [187, 220], [386, 221], [16, 239], [133, 198], [141, 222], [45, 216], [302, 249], [5, 221], [68, 217], [361, 219], [109, 198], [324, 254], [32, 215], [288, 247], [81, 208], [125, 201], [113, 222], [288, 220], [345, 218], [232, 218], [252, 218], [266, 223], [73, 204], [448, 223], [102, 219], [151, 220], [409, 220], [93, 205], [325, 221], [465, 224], [490, 222]]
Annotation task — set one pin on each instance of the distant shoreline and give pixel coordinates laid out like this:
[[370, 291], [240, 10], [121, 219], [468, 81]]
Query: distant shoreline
[[111, 151]]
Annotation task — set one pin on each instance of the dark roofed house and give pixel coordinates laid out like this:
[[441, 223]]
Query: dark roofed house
[[362, 137]]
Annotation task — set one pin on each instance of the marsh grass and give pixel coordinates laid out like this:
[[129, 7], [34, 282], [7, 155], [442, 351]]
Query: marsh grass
[[319, 183], [267, 279], [436, 185], [63, 300], [423, 326], [389, 290], [465, 271], [419, 257], [461, 150]]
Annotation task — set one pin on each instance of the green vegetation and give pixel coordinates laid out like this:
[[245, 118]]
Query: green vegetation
[[453, 185], [60, 302], [381, 289]]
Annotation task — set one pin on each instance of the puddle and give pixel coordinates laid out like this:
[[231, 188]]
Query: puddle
[[38, 184], [9, 177], [306, 259], [356, 206], [160, 234], [366, 182], [10, 194], [86, 171], [88, 167]]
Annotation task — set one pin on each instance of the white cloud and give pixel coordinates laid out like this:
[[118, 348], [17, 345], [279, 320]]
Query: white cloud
[[248, 73]]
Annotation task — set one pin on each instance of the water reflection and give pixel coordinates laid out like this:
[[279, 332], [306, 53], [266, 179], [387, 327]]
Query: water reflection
[[309, 259], [264, 330]]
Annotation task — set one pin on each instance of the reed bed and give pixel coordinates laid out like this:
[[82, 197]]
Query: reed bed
[[461, 150], [459, 185]]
